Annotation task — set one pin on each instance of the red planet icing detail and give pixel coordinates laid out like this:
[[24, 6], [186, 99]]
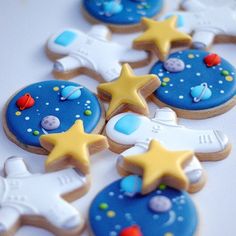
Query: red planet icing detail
[[25, 102], [131, 231], [212, 60]]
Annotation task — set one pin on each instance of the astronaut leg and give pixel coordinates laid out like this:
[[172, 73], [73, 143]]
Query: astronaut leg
[[63, 215], [8, 217]]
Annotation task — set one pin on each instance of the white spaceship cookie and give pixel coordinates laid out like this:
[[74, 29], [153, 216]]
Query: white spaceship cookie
[[209, 21], [91, 53], [128, 129], [23, 202]]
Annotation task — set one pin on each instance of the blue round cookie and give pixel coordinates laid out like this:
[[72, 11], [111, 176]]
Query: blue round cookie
[[122, 12], [50, 107], [164, 212], [197, 84]]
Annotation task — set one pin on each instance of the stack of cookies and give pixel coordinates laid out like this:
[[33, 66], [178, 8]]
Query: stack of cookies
[[158, 159]]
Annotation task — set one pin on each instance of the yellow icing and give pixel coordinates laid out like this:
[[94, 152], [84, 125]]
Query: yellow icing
[[162, 34], [71, 145], [18, 113], [56, 89], [158, 163], [229, 78], [125, 90]]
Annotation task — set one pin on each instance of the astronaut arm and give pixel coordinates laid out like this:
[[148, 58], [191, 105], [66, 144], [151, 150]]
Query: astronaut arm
[[68, 63], [166, 115], [16, 167], [202, 39], [132, 56], [8, 217], [99, 32]]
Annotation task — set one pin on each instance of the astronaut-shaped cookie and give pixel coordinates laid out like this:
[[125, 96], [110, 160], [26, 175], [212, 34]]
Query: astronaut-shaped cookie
[[129, 129], [40, 199], [209, 21], [92, 53]]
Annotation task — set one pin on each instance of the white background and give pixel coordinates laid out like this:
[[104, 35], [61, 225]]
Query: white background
[[25, 25]]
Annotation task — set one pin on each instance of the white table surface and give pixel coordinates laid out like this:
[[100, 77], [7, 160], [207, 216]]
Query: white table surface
[[25, 25]]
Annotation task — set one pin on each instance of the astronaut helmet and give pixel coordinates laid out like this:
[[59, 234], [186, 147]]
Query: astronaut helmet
[[65, 41]]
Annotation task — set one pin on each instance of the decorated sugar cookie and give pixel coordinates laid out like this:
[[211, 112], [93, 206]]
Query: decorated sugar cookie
[[160, 36], [129, 129], [158, 165], [128, 92], [92, 53], [209, 21], [23, 203], [122, 16], [196, 84], [164, 212], [50, 107], [72, 148]]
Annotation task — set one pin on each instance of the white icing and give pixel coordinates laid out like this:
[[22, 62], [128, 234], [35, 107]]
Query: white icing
[[167, 131], [20, 194], [206, 19], [94, 51]]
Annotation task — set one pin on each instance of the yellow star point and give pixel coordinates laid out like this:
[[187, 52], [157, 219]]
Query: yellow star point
[[161, 35], [126, 91], [72, 148], [158, 165]]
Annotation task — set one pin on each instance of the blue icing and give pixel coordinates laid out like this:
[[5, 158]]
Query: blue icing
[[181, 219], [48, 101], [66, 38], [177, 91], [129, 11], [127, 124], [180, 20]]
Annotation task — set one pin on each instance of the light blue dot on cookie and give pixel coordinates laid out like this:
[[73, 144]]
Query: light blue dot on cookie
[[128, 124], [66, 38]]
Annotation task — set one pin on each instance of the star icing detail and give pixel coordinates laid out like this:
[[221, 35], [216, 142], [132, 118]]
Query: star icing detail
[[159, 165], [161, 35], [72, 148], [126, 91]]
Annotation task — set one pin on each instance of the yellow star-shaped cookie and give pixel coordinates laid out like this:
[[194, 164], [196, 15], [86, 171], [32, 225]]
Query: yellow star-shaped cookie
[[158, 165], [160, 36], [72, 148], [128, 92]]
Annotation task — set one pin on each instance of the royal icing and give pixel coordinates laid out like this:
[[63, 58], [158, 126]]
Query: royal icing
[[51, 113], [159, 165], [206, 82], [72, 147], [93, 50], [126, 91], [206, 20], [122, 12], [160, 36], [166, 212], [21, 196]]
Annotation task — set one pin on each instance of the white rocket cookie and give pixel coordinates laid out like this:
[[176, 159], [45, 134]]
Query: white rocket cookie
[[91, 53], [40, 199], [209, 21]]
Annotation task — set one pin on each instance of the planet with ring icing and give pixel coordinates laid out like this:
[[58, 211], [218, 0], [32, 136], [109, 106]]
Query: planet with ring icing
[[201, 92], [71, 92], [131, 185]]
